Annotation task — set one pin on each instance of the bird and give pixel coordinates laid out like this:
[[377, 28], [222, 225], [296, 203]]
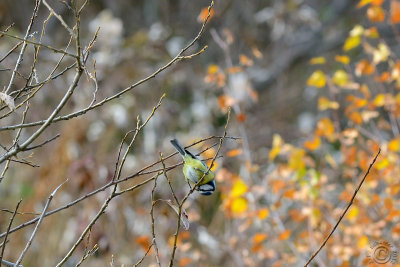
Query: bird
[[194, 170]]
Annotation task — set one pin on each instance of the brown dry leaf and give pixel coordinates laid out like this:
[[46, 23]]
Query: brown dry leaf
[[8, 100], [256, 52]]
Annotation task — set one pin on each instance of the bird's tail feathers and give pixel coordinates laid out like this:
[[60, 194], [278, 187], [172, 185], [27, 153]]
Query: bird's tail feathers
[[178, 147]]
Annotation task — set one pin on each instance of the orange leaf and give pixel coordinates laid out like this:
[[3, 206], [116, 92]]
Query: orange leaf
[[245, 61], [203, 15], [284, 235], [325, 128], [241, 117], [277, 185], [394, 11], [263, 213], [212, 69], [185, 261], [356, 117], [375, 14], [289, 193], [343, 59], [234, 152], [234, 69], [394, 145], [259, 237], [225, 101], [384, 77], [144, 242], [364, 68], [313, 144]]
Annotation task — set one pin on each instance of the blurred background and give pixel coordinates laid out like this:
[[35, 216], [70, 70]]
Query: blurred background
[[280, 187]]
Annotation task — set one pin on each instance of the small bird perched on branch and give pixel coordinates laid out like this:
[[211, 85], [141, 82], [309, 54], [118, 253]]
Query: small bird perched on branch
[[194, 170]]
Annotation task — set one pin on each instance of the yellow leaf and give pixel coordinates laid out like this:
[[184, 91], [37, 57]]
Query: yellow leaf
[[381, 54], [296, 159], [363, 242], [363, 3], [351, 42], [313, 144], [317, 79], [353, 212], [382, 164], [212, 69], [340, 78], [379, 100], [317, 60], [284, 235], [343, 59], [277, 142], [239, 205], [239, 188], [324, 104], [274, 152], [394, 144], [263, 213]]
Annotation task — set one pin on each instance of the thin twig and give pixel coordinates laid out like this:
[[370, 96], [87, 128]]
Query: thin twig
[[177, 58], [28, 244], [153, 230], [111, 183], [180, 207], [21, 53], [344, 212], [117, 175], [59, 18], [8, 230]]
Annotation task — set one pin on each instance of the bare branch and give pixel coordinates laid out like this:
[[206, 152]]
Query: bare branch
[[8, 230], [345, 211], [28, 244]]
